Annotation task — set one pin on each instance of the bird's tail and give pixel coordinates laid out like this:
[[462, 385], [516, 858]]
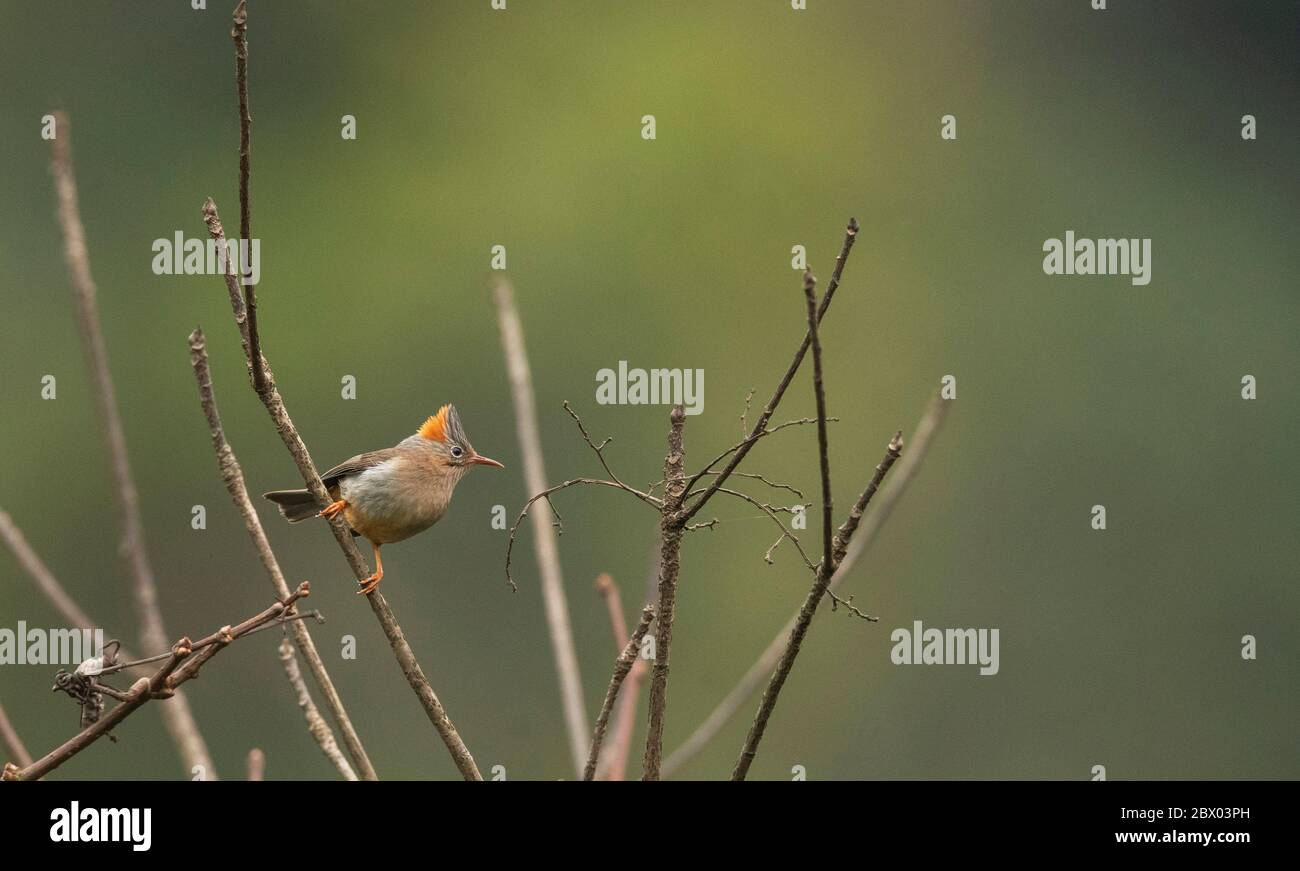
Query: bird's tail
[[295, 505]]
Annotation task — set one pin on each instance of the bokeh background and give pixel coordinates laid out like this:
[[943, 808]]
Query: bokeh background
[[522, 128]]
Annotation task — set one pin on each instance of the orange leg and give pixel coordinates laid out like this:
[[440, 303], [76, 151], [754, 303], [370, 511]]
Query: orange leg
[[329, 511], [369, 584]]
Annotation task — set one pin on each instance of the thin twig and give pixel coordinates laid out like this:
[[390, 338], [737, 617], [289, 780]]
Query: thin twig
[[600, 454], [410, 666], [850, 235], [823, 445], [671, 529], [545, 546], [747, 440], [771, 511], [178, 717], [239, 33], [233, 477], [622, 666], [804, 620], [546, 496], [316, 724], [184, 663], [762, 668], [9, 735], [282, 622]]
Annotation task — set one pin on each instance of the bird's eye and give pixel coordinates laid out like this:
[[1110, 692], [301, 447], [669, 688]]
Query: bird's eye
[[457, 451]]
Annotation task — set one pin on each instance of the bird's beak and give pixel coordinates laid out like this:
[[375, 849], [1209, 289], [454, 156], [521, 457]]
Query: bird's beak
[[480, 460]]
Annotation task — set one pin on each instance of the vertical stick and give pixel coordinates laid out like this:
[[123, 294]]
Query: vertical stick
[[671, 529], [544, 541], [239, 33]]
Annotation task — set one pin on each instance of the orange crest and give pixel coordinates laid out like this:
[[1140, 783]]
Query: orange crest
[[435, 428]]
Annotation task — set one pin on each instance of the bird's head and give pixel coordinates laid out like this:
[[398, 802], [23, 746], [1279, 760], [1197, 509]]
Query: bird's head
[[446, 437]]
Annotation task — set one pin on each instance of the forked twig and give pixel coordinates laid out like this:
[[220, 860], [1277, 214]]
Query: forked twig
[[183, 664], [750, 682]]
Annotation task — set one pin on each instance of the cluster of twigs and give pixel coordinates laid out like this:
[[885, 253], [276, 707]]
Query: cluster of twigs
[[678, 499], [683, 497], [180, 665]]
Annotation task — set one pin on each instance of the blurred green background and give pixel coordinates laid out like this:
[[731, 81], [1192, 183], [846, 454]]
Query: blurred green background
[[522, 128]]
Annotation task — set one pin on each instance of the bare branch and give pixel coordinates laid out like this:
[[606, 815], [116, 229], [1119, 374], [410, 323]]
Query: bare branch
[[182, 665], [180, 722], [410, 666], [545, 546], [239, 33], [847, 604], [847, 528], [316, 724], [850, 235], [672, 525], [823, 446], [233, 477], [802, 622], [762, 668], [753, 476], [9, 735], [622, 666]]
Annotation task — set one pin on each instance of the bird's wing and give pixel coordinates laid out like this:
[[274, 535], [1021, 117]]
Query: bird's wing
[[356, 465]]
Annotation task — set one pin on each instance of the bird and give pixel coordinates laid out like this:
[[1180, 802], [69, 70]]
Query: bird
[[389, 495]]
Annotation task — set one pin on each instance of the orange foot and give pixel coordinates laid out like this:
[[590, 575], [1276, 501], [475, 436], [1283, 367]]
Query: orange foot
[[329, 511], [368, 585]]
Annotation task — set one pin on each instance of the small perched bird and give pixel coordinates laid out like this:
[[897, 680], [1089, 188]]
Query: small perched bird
[[391, 494]]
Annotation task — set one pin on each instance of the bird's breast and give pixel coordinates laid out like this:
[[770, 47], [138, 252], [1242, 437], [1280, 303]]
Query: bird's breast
[[395, 499]]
